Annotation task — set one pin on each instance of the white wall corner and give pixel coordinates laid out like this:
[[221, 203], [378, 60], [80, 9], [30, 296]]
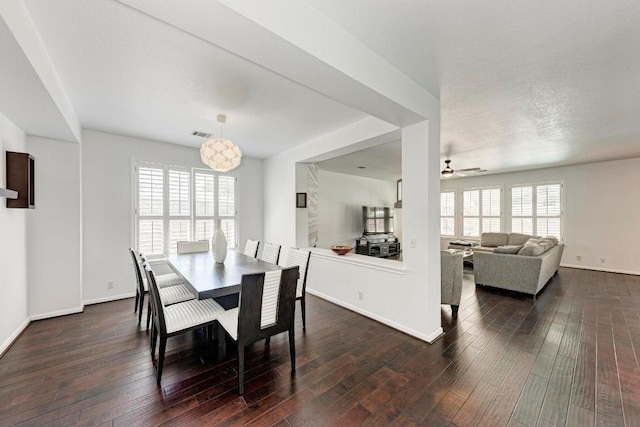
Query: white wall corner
[[14, 336]]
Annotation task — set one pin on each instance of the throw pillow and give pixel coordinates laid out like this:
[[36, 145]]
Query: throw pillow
[[549, 241], [494, 239], [532, 241], [507, 249], [532, 250], [518, 239]]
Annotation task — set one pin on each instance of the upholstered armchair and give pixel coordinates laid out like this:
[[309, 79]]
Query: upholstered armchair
[[451, 279]]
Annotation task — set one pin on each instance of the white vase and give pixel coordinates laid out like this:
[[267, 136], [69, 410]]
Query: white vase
[[219, 246]]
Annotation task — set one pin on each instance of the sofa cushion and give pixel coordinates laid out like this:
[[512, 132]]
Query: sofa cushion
[[518, 239], [533, 250], [494, 239], [507, 249], [549, 241]]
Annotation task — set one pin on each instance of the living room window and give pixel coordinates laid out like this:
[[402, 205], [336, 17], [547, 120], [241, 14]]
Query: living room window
[[537, 209], [481, 211], [448, 213], [174, 203]]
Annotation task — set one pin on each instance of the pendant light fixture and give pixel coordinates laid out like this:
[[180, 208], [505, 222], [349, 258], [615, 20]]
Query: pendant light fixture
[[220, 154]]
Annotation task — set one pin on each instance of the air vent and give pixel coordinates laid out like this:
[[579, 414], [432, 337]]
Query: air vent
[[202, 134]]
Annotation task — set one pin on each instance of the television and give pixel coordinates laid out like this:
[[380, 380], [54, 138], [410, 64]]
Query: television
[[377, 220]]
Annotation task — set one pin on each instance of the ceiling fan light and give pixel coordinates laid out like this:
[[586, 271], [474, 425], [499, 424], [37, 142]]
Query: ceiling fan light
[[447, 171], [221, 155]]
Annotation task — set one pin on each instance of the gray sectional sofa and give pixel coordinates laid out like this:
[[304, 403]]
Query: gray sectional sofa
[[518, 264]]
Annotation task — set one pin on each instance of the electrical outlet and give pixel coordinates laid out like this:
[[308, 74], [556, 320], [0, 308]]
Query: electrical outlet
[[111, 284], [361, 295], [602, 260], [578, 257]]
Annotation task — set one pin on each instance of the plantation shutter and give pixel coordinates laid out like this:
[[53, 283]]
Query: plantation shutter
[[150, 210], [491, 210], [471, 213], [227, 208], [548, 210], [447, 213], [522, 210]]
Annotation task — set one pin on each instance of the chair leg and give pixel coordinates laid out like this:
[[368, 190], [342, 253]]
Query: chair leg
[[222, 343], [148, 313], [135, 307], [454, 309], [292, 350], [154, 340], [267, 341], [140, 307], [304, 312], [240, 369], [163, 346]]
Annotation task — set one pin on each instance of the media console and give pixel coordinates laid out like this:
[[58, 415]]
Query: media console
[[378, 245]]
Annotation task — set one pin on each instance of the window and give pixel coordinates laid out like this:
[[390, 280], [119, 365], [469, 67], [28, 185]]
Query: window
[[481, 211], [537, 209], [176, 203], [447, 213]]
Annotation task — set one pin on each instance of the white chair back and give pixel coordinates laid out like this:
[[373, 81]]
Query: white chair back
[[251, 248], [185, 247], [270, 294], [301, 259], [284, 257], [270, 253]]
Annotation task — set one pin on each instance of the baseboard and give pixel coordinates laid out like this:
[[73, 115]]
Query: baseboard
[[14, 336], [430, 338], [608, 270], [57, 313], [109, 298]]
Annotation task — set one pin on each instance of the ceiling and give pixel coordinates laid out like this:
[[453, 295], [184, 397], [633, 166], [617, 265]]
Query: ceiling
[[522, 85], [383, 162]]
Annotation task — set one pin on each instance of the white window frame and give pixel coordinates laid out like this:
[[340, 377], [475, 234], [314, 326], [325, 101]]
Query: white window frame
[[534, 206], [481, 215], [166, 217], [453, 216]]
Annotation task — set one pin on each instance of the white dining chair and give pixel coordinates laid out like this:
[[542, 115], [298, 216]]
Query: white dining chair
[[270, 253], [169, 294], [176, 319], [300, 258], [266, 308], [251, 248]]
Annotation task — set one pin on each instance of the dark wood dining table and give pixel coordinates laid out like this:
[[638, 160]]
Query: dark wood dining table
[[210, 280]]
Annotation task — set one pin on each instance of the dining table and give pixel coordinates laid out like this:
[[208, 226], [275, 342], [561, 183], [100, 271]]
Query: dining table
[[208, 279]]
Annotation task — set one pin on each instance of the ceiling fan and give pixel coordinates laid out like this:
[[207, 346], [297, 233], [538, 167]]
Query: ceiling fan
[[448, 171]]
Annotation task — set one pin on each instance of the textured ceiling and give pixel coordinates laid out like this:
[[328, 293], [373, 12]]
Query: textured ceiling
[[522, 85]]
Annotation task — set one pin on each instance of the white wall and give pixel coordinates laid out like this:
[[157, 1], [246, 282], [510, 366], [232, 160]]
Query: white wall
[[410, 300], [340, 201], [13, 247], [107, 188], [601, 210], [54, 230]]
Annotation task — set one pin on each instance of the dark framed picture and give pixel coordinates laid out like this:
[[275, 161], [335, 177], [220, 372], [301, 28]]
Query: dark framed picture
[[301, 200]]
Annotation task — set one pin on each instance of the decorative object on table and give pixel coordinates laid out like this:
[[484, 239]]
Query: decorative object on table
[[220, 154], [219, 246], [301, 200], [341, 249]]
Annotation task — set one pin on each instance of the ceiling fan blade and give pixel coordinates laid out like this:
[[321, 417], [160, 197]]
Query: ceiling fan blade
[[470, 170]]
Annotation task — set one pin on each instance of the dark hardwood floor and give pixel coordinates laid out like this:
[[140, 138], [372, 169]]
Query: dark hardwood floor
[[568, 358]]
